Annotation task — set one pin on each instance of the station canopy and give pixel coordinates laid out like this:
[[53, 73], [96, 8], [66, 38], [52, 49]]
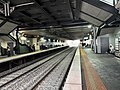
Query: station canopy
[[60, 18]]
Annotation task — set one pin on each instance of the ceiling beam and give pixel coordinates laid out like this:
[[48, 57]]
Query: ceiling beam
[[46, 27], [2, 1], [58, 34], [79, 24], [9, 19], [98, 33], [92, 16], [111, 19], [46, 13], [71, 9], [3, 22], [70, 36], [78, 8], [102, 5], [3, 34], [24, 14]]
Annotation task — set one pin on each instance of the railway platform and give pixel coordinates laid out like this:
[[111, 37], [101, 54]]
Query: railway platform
[[83, 68], [74, 81], [100, 71], [88, 71]]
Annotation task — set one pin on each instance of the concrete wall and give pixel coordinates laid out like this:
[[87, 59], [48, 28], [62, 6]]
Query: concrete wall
[[112, 39], [102, 44], [37, 44], [111, 33]]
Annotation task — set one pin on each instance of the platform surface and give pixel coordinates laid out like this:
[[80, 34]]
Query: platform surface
[[108, 68], [2, 60], [73, 81]]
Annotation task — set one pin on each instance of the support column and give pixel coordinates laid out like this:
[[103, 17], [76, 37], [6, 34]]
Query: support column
[[17, 42], [36, 43], [94, 39]]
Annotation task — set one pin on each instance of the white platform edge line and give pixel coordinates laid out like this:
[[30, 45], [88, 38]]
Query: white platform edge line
[[80, 69]]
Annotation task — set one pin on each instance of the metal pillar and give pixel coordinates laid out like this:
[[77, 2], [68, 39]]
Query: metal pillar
[[17, 42], [94, 39]]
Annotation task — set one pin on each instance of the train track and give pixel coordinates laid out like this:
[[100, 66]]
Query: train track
[[34, 76], [55, 78]]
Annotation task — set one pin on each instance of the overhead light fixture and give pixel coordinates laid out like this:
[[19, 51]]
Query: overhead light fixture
[[89, 26], [102, 26], [24, 4], [28, 41], [23, 38], [51, 26]]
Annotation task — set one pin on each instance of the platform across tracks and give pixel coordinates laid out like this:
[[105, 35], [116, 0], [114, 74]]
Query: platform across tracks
[[21, 79]]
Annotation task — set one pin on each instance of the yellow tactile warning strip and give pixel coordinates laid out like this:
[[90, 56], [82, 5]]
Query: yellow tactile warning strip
[[92, 79]]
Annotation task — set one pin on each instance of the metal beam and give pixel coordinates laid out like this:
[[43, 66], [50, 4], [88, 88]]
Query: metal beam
[[44, 11], [46, 27], [111, 19], [48, 14], [30, 17], [1, 24], [82, 24], [98, 33], [2, 17], [7, 18], [92, 16], [78, 8], [2, 1], [71, 10], [101, 5], [70, 36], [113, 26], [3, 34]]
